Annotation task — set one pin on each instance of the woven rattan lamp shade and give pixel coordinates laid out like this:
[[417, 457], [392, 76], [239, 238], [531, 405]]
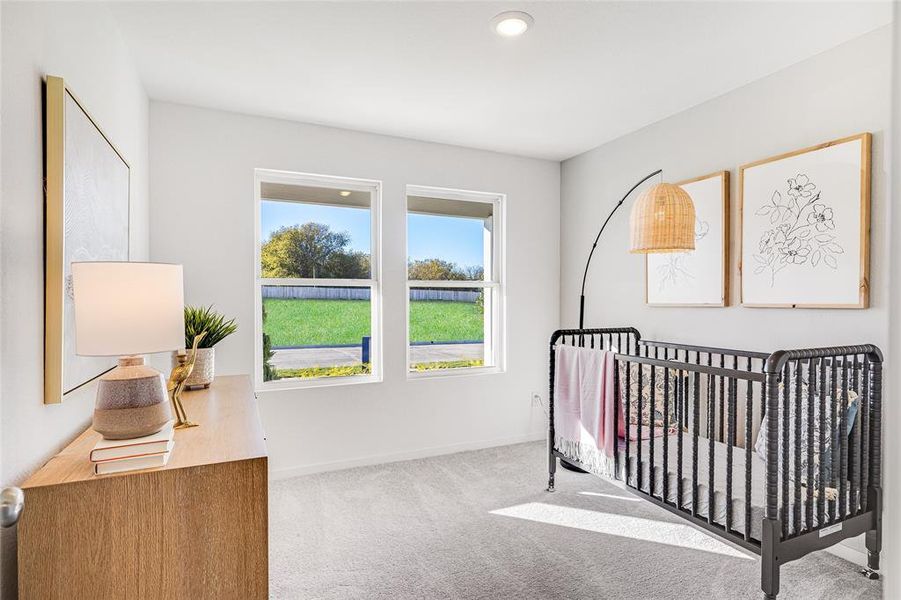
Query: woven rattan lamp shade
[[663, 220]]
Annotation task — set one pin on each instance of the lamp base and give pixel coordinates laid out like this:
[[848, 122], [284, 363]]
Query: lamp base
[[571, 467], [131, 401]]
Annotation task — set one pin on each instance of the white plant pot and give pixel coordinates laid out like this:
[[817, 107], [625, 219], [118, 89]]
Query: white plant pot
[[204, 368]]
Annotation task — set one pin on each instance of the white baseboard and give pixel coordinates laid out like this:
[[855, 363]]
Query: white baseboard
[[848, 553], [364, 461]]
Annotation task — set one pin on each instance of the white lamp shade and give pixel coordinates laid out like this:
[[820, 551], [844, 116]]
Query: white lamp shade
[[125, 308]]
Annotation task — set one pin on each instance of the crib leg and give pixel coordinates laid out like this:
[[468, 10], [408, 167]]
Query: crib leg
[[874, 536], [551, 466], [874, 546], [769, 564]]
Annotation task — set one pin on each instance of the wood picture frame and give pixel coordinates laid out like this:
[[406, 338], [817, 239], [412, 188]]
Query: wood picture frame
[[87, 189], [845, 165], [700, 294]]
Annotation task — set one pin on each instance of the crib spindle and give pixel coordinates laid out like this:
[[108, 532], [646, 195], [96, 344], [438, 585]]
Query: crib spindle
[[680, 387], [843, 442], [722, 413], [749, 416], [821, 498], [811, 379], [876, 417], [833, 428], [796, 400], [666, 429], [864, 410], [854, 446], [733, 414], [696, 419], [730, 444], [638, 449], [652, 427], [711, 449], [627, 402], [786, 385], [617, 415]]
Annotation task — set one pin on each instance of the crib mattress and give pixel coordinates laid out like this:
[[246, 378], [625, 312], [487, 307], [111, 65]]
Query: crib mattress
[[720, 451]]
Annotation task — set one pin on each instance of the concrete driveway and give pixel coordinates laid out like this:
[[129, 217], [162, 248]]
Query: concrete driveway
[[299, 358]]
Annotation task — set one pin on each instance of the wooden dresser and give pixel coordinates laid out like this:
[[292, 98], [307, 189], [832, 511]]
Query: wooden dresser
[[196, 528]]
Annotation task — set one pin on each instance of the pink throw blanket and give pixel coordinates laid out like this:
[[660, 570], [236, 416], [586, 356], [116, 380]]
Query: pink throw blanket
[[584, 407]]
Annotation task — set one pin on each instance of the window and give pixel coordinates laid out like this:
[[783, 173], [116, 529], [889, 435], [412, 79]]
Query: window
[[454, 281], [317, 279]]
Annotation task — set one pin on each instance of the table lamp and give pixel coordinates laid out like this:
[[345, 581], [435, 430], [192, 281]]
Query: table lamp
[[128, 309]]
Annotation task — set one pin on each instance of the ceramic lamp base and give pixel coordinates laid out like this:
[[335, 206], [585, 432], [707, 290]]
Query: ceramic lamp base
[[131, 401]]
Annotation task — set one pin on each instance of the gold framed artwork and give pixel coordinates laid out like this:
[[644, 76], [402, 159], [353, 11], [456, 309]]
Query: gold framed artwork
[[701, 277], [87, 189], [805, 227]]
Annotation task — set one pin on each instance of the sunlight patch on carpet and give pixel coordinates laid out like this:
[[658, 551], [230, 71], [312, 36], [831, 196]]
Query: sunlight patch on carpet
[[648, 530]]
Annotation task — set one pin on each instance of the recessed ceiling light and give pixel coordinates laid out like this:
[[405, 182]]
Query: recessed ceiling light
[[344, 194], [512, 23]]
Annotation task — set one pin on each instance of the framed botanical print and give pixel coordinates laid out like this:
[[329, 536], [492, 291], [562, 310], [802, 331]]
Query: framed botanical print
[[86, 219], [805, 227], [701, 277]]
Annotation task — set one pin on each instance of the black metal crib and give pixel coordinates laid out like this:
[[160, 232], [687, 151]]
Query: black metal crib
[[814, 486]]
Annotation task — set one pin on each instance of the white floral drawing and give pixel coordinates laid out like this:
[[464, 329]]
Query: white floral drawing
[[801, 233]]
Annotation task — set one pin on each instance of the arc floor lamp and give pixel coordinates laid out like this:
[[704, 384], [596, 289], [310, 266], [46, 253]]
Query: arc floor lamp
[[662, 220]]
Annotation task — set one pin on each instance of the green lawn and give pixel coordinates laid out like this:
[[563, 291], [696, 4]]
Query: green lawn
[[322, 322]]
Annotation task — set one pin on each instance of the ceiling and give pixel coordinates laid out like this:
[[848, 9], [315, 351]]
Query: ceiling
[[585, 73]]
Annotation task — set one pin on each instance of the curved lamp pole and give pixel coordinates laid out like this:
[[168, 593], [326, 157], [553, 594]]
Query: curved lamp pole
[[595, 245], [563, 462], [682, 237]]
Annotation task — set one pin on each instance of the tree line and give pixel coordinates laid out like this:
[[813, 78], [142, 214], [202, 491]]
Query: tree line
[[313, 250]]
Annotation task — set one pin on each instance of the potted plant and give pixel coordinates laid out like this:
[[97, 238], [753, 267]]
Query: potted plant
[[200, 319]]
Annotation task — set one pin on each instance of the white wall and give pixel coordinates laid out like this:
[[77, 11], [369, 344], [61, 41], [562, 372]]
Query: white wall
[[202, 165], [79, 43], [840, 92], [892, 521]]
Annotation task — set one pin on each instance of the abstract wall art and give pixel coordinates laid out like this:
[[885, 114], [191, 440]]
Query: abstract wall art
[[86, 219]]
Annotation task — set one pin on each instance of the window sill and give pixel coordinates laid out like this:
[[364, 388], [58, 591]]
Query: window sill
[[453, 373], [316, 382]]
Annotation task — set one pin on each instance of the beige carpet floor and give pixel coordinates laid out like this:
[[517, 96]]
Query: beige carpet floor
[[479, 526]]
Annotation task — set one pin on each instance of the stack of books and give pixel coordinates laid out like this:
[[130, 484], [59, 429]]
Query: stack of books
[[148, 452]]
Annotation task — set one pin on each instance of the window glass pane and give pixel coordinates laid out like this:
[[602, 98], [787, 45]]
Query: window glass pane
[[310, 239], [316, 331], [445, 247], [447, 328]]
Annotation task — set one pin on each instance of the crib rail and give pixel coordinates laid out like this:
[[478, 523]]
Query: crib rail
[[692, 401], [698, 418]]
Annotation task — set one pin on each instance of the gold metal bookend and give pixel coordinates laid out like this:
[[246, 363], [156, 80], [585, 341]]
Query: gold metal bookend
[[176, 386]]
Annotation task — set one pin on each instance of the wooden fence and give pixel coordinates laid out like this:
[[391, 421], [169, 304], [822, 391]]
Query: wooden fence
[[345, 293]]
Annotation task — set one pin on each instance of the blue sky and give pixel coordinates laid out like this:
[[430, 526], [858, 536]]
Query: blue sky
[[455, 239]]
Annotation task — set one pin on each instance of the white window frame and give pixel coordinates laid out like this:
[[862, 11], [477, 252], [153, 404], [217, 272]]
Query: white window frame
[[374, 188], [494, 343]]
